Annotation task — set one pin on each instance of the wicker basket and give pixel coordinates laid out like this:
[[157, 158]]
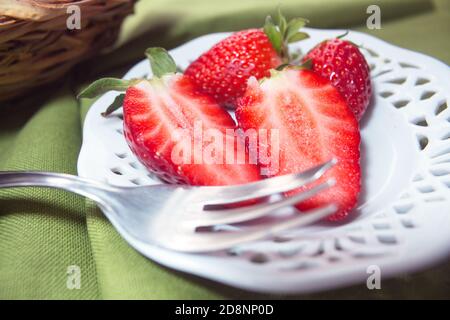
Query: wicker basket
[[36, 47]]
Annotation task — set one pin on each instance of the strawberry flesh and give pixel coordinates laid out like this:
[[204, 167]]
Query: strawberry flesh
[[314, 125], [155, 109]]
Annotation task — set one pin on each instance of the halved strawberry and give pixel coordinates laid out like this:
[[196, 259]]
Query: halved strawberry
[[161, 117], [314, 125], [342, 63], [223, 71]]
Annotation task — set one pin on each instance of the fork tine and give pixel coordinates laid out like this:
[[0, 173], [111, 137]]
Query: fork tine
[[211, 241], [227, 216], [231, 194]]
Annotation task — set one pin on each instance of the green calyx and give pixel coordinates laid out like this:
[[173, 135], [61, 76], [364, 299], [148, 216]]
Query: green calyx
[[101, 86], [342, 37], [307, 65], [117, 104], [160, 62], [283, 33]]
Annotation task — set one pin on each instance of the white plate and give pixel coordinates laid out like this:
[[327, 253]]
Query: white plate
[[403, 220]]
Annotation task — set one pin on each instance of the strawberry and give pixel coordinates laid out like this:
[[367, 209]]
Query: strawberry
[[343, 64], [160, 119], [223, 71], [314, 125]]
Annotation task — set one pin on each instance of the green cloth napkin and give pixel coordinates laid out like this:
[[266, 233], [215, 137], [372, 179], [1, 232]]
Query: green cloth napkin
[[44, 231]]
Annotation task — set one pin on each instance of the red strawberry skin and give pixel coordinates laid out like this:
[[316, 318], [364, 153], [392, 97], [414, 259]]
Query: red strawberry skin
[[314, 125], [222, 72], [343, 64], [155, 109]]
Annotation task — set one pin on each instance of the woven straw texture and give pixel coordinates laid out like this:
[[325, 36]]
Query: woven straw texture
[[36, 47]]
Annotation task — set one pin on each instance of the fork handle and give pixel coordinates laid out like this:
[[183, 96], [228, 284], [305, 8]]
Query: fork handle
[[88, 188]]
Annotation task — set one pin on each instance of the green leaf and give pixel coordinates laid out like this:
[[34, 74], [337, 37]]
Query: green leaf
[[117, 103], [160, 61], [282, 66], [281, 20], [294, 26], [342, 35], [306, 65], [297, 37], [273, 34], [104, 85]]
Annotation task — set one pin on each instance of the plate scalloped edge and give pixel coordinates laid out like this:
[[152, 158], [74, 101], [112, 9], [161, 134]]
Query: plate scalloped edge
[[403, 223]]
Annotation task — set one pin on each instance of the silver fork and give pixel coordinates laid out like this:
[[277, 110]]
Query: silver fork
[[170, 215]]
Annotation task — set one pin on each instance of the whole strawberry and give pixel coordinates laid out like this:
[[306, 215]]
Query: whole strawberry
[[343, 64], [222, 72]]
